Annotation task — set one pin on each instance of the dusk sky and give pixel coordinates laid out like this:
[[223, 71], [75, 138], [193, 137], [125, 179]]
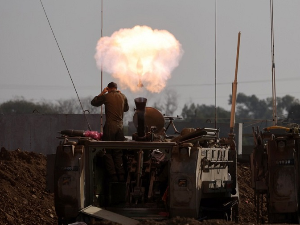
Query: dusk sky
[[31, 64]]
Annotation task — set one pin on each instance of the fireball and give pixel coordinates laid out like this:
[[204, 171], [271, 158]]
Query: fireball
[[139, 57]]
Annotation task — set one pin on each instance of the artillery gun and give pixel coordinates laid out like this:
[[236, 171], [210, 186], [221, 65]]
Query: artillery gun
[[275, 164], [275, 173], [191, 174]]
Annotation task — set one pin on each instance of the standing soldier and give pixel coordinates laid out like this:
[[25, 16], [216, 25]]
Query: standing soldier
[[115, 105]]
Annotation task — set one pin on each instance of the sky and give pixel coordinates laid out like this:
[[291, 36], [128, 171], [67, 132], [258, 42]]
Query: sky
[[32, 66]]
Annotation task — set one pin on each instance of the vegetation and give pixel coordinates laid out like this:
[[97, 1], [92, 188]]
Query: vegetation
[[68, 106], [169, 103], [249, 109], [20, 105], [203, 112], [294, 114]]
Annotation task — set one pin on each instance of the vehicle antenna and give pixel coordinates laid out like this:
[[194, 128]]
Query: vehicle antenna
[[101, 116], [65, 65], [215, 63], [273, 67]]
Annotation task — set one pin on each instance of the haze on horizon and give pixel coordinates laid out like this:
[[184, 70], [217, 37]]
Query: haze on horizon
[[31, 64]]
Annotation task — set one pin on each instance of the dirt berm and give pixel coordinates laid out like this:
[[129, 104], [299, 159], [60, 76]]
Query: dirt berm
[[25, 201]]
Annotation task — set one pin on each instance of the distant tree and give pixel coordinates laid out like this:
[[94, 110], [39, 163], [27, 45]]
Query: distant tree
[[284, 105], [62, 106], [66, 106], [20, 105], [294, 114], [204, 112], [73, 106], [250, 107], [86, 104], [169, 104], [189, 112]]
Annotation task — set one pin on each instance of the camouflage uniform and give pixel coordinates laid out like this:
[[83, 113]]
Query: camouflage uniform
[[115, 105]]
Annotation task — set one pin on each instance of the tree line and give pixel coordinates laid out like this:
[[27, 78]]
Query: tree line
[[63, 106], [249, 109]]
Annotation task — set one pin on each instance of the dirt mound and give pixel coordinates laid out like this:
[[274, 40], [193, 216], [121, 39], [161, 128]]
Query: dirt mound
[[24, 199], [246, 206]]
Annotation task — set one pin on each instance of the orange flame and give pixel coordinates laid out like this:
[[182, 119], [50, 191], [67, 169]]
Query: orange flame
[[139, 71], [139, 56]]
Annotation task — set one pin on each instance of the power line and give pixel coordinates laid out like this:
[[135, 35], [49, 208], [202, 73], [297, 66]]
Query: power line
[[287, 79], [57, 87]]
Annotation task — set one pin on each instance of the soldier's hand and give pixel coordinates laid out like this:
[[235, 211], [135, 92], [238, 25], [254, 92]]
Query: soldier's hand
[[104, 91]]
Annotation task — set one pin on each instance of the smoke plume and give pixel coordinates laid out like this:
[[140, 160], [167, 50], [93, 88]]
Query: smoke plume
[[139, 57]]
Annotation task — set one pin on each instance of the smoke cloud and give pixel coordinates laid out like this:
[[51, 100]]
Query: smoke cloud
[[139, 57]]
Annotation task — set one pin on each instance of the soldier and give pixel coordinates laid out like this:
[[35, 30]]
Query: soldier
[[115, 105]]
